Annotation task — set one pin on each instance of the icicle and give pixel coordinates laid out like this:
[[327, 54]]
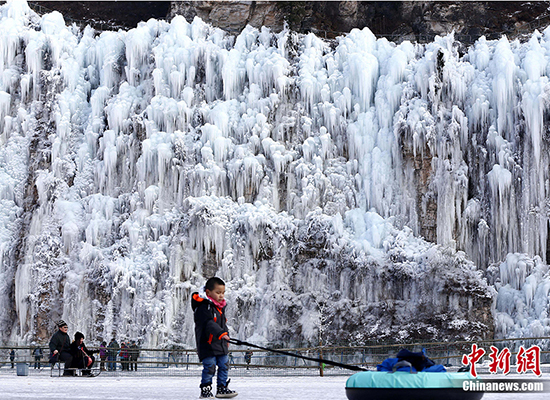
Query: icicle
[[176, 151], [137, 49]]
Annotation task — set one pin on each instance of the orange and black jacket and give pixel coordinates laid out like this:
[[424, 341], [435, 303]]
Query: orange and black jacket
[[210, 327]]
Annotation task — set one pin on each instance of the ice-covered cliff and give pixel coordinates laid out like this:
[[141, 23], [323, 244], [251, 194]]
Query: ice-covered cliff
[[375, 184]]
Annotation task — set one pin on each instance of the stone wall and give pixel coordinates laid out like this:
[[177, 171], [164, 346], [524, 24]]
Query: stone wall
[[332, 18], [328, 18]]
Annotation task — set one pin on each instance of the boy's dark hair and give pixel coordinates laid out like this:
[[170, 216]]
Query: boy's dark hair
[[212, 282]]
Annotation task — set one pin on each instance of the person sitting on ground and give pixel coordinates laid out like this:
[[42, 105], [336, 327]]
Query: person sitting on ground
[[82, 357], [60, 347]]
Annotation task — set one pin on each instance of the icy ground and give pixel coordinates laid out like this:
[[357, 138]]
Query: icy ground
[[172, 388]]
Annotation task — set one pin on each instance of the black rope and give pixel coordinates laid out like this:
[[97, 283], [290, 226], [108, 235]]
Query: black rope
[[320, 360]]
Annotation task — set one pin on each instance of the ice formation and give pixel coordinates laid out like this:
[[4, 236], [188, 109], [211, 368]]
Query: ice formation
[[359, 179]]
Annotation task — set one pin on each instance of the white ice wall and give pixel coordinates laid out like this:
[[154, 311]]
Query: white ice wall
[[137, 163]]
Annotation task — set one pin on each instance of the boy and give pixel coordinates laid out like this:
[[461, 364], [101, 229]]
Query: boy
[[212, 337]]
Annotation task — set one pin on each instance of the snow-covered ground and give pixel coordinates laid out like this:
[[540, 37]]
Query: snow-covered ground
[[168, 388]]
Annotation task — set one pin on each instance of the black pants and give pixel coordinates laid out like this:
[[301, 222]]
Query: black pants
[[79, 363], [68, 359], [133, 364]]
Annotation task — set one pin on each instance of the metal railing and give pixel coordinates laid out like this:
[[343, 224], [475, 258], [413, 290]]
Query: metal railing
[[259, 362]]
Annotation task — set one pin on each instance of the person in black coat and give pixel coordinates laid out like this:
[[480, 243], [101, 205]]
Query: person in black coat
[[134, 355], [60, 347], [212, 337], [82, 357], [12, 357], [112, 352], [37, 353]]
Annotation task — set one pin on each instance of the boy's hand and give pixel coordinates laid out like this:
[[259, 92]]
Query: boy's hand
[[225, 337]]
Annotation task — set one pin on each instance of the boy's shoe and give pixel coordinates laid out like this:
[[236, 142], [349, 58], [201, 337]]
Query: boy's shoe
[[224, 391], [206, 391]]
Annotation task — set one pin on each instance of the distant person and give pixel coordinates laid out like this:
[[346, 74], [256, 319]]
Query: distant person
[[82, 357], [134, 355], [60, 347], [38, 354], [248, 358], [12, 357], [112, 352], [102, 355], [174, 356], [124, 357], [212, 337]]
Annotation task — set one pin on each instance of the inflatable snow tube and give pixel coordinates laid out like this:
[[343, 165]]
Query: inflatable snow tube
[[377, 385]]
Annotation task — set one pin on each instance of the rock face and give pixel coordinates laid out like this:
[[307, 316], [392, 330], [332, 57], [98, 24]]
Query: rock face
[[232, 16], [329, 18], [102, 14], [389, 18]]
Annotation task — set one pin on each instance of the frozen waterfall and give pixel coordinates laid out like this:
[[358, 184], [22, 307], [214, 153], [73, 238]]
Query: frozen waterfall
[[359, 178]]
